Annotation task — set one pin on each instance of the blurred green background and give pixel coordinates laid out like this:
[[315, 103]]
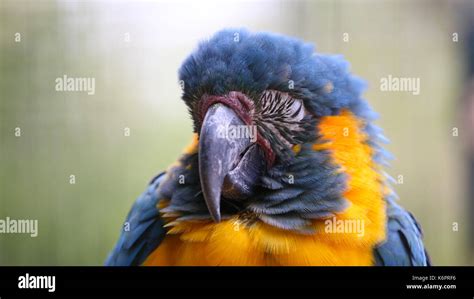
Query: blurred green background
[[133, 50]]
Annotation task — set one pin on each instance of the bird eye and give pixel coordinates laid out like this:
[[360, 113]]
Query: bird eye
[[283, 121], [296, 110], [280, 105]]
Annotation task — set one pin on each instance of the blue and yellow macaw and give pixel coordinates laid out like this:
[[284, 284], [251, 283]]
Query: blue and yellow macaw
[[285, 167]]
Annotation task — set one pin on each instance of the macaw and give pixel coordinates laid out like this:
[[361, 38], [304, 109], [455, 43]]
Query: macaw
[[285, 167]]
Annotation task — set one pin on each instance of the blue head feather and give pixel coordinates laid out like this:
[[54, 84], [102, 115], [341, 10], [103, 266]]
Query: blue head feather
[[251, 63], [237, 60]]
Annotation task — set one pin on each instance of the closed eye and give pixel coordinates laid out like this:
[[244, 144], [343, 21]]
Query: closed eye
[[283, 121], [276, 105]]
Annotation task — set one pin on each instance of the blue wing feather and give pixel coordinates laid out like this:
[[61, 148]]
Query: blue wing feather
[[404, 246], [144, 230]]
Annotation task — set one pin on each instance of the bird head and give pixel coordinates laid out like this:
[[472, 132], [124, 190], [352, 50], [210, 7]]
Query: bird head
[[255, 100]]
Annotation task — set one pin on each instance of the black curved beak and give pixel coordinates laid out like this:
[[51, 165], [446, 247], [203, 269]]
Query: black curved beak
[[226, 146]]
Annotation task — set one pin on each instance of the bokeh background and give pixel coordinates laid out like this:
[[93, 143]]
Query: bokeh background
[[133, 50]]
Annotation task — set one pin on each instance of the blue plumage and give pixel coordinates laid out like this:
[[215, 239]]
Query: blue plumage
[[404, 246], [237, 60], [142, 231]]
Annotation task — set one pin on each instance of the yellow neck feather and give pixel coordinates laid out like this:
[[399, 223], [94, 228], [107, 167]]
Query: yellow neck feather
[[346, 239]]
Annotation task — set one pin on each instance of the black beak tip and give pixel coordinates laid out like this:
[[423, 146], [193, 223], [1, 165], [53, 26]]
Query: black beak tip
[[213, 204], [216, 217]]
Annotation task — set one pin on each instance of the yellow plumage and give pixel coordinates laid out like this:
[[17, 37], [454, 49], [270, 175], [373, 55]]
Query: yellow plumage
[[232, 242]]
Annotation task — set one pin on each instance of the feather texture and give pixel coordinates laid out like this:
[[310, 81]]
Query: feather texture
[[142, 231], [333, 174], [403, 246]]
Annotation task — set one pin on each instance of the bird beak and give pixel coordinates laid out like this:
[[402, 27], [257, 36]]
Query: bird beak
[[219, 153]]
